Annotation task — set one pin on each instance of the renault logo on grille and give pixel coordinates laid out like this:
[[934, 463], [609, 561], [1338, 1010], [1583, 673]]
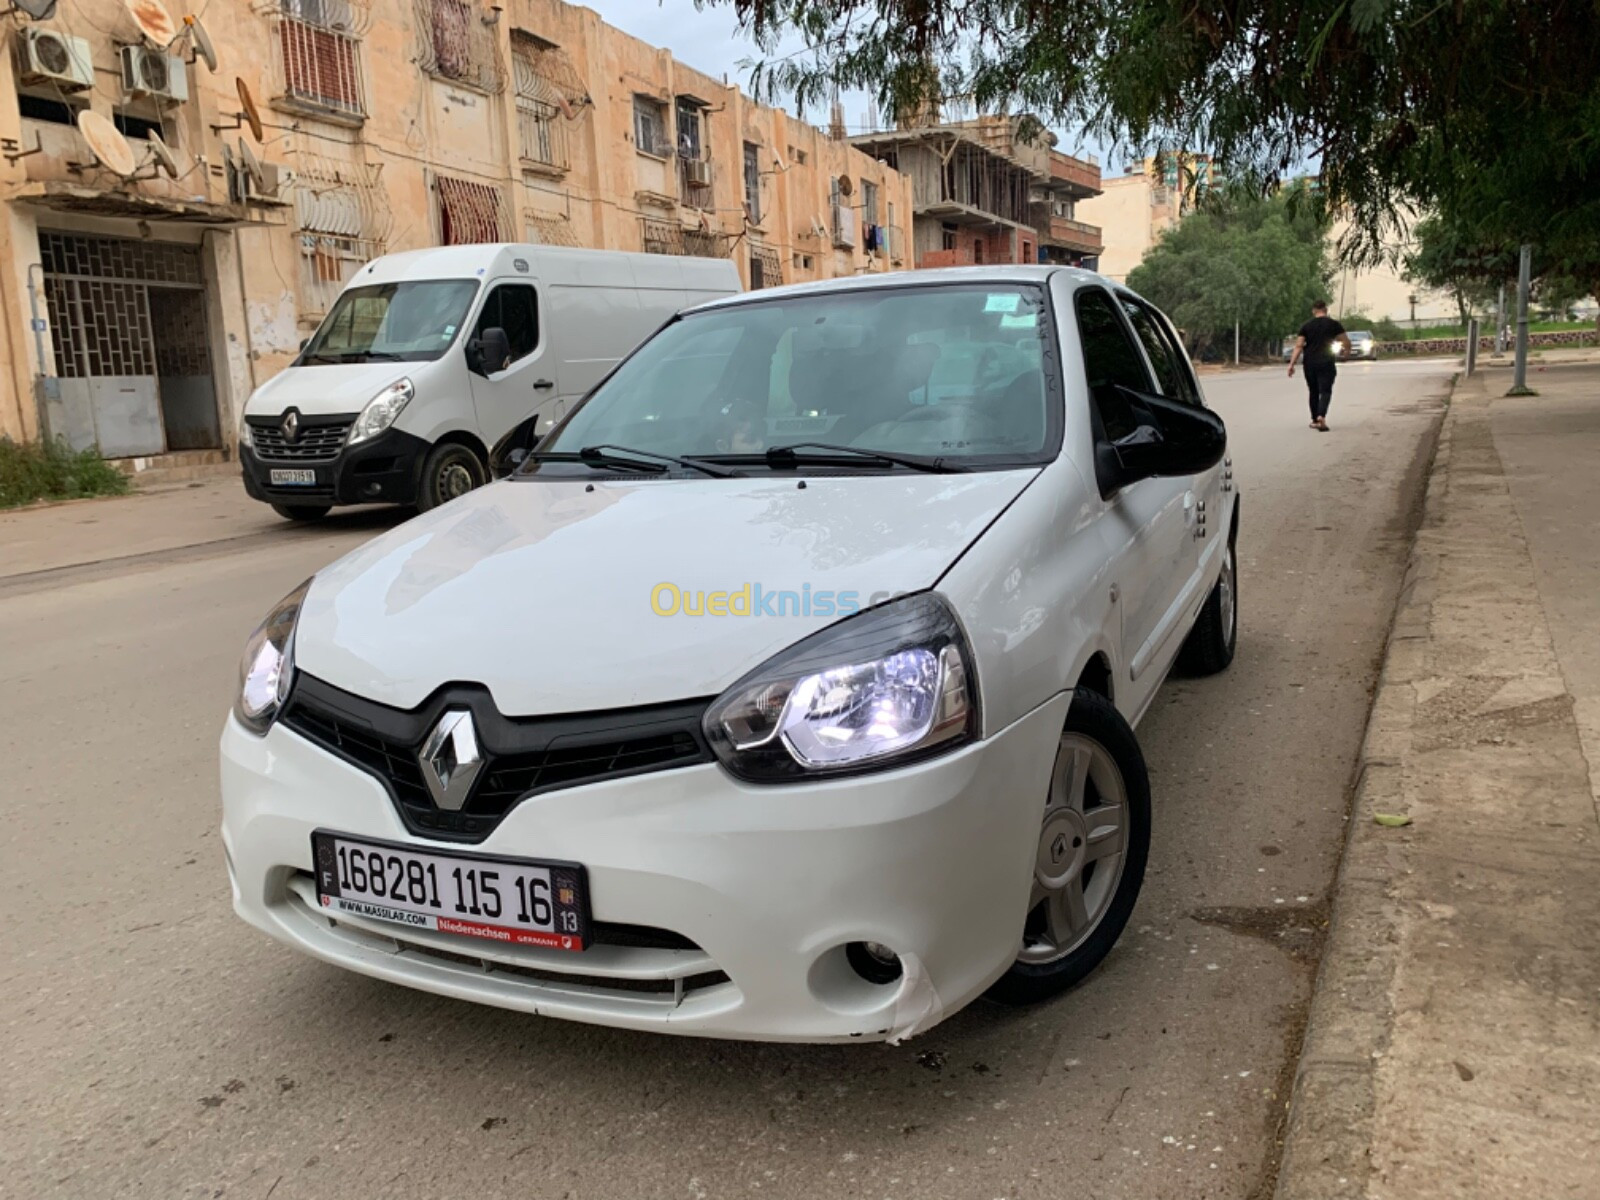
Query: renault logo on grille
[[291, 426], [451, 759]]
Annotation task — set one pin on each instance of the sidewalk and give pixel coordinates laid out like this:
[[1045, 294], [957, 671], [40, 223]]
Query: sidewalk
[[1454, 1042]]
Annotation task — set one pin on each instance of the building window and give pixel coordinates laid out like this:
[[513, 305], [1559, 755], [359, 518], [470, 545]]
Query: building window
[[752, 183], [797, 156], [977, 250], [341, 221], [690, 144], [947, 237], [38, 108], [650, 126], [457, 45], [541, 129], [869, 203], [542, 230], [470, 212], [319, 67], [766, 268], [844, 217]]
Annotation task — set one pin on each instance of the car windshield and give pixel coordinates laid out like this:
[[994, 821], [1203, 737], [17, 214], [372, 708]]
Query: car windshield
[[957, 373], [409, 322], [1360, 335]]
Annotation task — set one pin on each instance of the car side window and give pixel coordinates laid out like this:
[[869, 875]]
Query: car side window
[[1111, 361], [514, 307], [1168, 374]]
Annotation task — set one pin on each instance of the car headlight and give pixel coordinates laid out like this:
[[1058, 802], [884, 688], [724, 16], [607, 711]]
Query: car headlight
[[381, 411], [267, 667], [879, 689], [244, 432]]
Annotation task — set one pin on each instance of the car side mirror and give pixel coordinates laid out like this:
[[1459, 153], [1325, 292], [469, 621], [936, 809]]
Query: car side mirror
[[1172, 438], [489, 352]]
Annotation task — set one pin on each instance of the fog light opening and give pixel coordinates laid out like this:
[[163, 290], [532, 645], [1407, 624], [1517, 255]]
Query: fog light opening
[[873, 961]]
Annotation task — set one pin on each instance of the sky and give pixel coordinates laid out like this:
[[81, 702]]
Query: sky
[[709, 40]]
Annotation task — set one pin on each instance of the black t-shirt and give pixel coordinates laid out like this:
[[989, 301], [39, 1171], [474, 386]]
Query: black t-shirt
[[1319, 333]]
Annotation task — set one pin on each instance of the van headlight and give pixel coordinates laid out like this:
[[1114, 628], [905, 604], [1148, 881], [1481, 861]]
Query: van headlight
[[267, 668], [879, 689], [381, 411]]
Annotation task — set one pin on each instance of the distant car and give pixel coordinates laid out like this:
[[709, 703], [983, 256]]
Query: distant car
[[1363, 344], [1288, 347]]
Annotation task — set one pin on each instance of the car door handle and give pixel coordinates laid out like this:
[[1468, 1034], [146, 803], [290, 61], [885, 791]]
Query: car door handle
[[542, 385]]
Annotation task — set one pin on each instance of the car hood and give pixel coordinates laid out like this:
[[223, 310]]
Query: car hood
[[326, 389], [558, 595]]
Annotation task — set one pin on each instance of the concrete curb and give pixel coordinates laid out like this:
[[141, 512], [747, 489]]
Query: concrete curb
[[1329, 1131]]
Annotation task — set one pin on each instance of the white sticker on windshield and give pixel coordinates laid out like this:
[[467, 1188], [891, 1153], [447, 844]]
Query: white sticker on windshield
[[449, 330], [1019, 321], [1002, 302]]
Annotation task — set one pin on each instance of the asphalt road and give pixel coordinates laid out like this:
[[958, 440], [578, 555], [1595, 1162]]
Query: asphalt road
[[156, 1046]]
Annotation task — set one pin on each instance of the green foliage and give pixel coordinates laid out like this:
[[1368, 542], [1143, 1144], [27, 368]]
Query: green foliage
[[1487, 110], [1260, 262], [32, 471]]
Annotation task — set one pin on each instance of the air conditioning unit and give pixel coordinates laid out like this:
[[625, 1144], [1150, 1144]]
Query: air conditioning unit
[[154, 73], [54, 58], [697, 173]]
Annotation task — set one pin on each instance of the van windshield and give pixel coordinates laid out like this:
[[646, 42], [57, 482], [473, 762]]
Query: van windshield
[[962, 373], [384, 322]]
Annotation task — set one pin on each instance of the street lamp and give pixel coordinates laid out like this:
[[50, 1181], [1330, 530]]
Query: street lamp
[[1413, 299]]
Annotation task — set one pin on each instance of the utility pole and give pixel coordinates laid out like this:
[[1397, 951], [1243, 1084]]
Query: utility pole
[[1519, 385], [1500, 321], [1236, 341]]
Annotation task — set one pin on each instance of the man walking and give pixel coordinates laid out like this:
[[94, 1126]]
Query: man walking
[[1315, 344]]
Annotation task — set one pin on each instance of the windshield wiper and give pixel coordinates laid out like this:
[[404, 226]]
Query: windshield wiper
[[624, 456], [787, 457]]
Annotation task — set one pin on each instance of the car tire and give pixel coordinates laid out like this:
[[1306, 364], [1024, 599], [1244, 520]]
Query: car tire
[[1211, 643], [1094, 842], [302, 512], [449, 471]]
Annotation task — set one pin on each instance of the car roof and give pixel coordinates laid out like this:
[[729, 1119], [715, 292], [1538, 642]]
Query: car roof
[[933, 277]]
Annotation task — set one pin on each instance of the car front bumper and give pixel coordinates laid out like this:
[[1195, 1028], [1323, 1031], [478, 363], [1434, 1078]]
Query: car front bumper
[[384, 470], [763, 886]]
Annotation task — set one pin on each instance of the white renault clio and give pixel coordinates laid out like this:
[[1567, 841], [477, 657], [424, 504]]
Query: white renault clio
[[784, 691]]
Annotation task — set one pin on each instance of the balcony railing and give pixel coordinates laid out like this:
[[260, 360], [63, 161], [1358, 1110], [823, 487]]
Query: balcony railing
[[1075, 172], [541, 134], [1075, 235]]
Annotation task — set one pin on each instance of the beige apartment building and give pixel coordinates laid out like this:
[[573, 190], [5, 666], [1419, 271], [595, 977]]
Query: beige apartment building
[[1134, 207], [149, 283]]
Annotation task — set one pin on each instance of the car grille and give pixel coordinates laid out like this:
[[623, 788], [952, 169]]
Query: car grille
[[314, 443], [521, 757]]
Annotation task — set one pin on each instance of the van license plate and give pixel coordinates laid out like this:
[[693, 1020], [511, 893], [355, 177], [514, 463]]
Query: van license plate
[[296, 478], [517, 901]]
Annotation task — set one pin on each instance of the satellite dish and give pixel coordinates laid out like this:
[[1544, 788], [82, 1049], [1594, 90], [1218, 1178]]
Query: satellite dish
[[154, 22], [107, 144], [252, 166], [162, 154], [248, 110], [202, 43], [39, 10]]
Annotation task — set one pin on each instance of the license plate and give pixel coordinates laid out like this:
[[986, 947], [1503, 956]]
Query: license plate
[[280, 476], [517, 901]]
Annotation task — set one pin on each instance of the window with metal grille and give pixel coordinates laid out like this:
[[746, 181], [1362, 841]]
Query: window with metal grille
[[327, 262], [650, 126], [869, 202], [660, 237], [548, 231], [318, 63], [766, 268], [469, 212], [752, 182], [457, 45], [541, 129]]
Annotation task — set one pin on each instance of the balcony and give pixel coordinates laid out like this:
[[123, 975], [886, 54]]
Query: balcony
[[1076, 174], [1072, 235]]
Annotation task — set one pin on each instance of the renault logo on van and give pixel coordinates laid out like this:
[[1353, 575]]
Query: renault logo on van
[[450, 759], [291, 426]]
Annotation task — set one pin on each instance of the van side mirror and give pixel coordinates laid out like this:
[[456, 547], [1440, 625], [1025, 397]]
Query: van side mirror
[[1171, 438], [489, 352]]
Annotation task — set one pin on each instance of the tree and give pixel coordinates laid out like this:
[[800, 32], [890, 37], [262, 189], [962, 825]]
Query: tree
[[1238, 258], [1447, 258], [1485, 110]]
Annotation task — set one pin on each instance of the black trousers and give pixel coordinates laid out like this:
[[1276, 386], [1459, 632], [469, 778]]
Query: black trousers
[[1319, 383]]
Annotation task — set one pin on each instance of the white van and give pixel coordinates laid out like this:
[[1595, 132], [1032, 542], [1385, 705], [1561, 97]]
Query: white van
[[428, 358]]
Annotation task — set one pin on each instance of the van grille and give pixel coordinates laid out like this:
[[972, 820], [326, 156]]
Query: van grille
[[314, 443]]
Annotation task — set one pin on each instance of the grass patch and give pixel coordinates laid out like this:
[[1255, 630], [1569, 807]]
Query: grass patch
[[32, 471]]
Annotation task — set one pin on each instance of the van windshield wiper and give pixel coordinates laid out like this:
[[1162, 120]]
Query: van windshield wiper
[[607, 455], [787, 457]]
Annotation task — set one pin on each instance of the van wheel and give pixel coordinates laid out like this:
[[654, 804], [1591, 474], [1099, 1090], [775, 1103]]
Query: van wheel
[[302, 512], [450, 470], [1210, 645], [1094, 839]]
